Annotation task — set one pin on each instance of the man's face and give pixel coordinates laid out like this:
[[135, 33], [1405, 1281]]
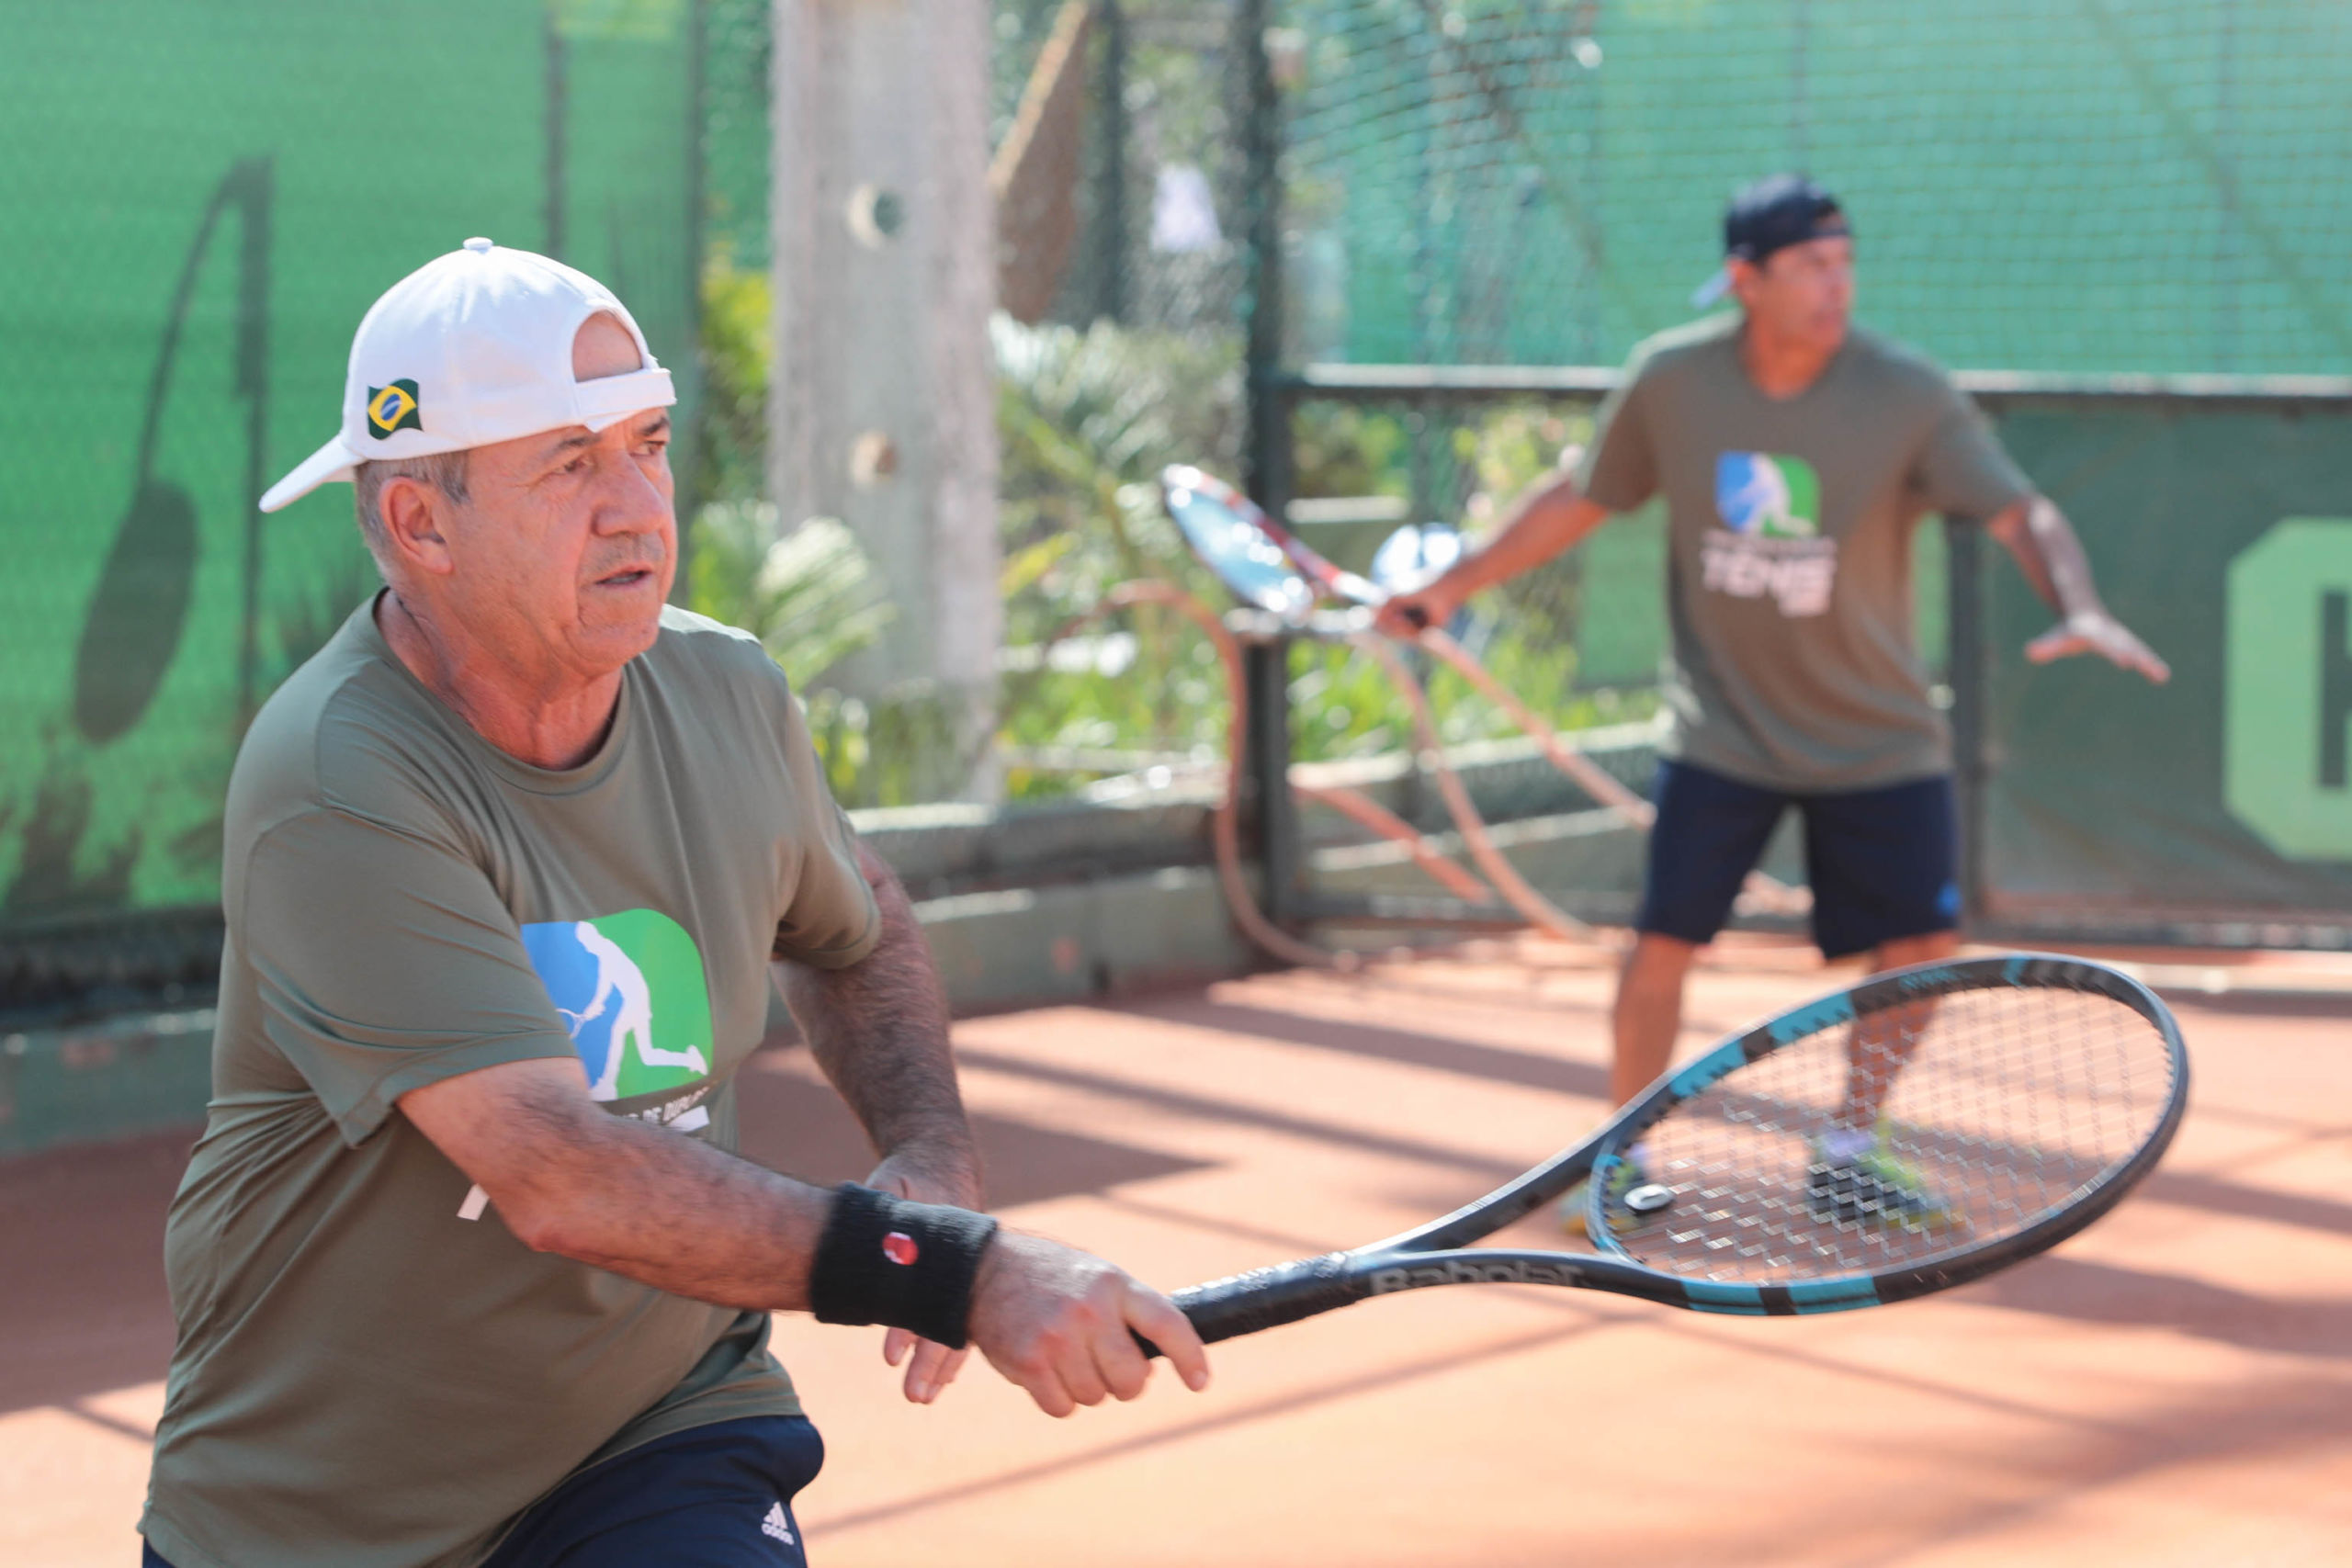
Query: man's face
[[564, 551], [1801, 293]]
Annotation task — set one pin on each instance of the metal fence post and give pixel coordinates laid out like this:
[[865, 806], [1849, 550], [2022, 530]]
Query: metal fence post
[[1266, 462], [1272, 813], [694, 475], [558, 124], [1111, 190]]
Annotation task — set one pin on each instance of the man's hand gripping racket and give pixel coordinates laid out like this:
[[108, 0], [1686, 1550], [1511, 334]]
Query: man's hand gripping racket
[[1914, 1132]]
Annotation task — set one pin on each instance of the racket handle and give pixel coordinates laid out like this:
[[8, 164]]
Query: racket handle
[[1265, 1298]]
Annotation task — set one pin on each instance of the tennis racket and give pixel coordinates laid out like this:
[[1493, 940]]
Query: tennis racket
[[2024, 1095], [1260, 562]]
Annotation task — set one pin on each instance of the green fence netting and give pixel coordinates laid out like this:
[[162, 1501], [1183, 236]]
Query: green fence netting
[[202, 199], [2052, 184]]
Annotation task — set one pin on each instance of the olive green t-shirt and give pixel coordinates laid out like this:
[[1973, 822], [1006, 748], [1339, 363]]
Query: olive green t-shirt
[[1796, 664], [372, 1372]]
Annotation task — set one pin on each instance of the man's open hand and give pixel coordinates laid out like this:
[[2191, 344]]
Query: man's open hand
[[2095, 631], [1062, 1323]]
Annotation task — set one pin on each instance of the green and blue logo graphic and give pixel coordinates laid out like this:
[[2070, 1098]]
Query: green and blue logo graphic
[[1767, 496], [630, 989]]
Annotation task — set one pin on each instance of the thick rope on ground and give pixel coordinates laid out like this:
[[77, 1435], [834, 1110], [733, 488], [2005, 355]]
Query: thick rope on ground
[[1532, 907], [1761, 891]]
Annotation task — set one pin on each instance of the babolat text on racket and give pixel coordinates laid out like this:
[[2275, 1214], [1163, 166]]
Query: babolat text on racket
[[2003, 1104]]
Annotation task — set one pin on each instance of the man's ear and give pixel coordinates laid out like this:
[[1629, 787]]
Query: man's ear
[[1744, 275], [416, 519]]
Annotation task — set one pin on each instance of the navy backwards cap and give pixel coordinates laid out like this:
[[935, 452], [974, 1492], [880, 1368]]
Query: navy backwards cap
[[1771, 215]]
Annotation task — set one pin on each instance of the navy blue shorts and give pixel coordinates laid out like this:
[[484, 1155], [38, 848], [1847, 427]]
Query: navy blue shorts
[[714, 1496], [1883, 863]]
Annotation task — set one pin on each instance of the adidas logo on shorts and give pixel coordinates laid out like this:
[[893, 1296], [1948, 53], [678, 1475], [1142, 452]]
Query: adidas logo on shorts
[[776, 1524]]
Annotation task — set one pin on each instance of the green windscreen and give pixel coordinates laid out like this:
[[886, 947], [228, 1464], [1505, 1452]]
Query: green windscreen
[[202, 200], [2217, 807]]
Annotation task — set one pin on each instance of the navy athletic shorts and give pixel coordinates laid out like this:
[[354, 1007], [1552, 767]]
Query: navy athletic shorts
[[1883, 863], [714, 1496]]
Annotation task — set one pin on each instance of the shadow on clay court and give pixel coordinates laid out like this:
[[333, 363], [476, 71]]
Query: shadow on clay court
[[82, 1233], [2285, 1417], [2216, 1196], [2082, 1292], [1238, 1113], [1444, 1053], [2280, 1418], [1246, 1415], [792, 1123]]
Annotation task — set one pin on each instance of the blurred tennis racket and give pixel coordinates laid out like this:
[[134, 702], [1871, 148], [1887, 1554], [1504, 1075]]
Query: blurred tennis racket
[[2029, 1093], [1260, 562]]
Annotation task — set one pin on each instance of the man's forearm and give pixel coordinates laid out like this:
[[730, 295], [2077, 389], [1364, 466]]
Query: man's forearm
[[1546, 520], [878, 1030], [2038, 534], [2047, 551], [675, 1214], [567, 1176]]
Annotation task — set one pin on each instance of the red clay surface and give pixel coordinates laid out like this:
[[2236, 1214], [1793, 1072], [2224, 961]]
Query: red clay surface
[[2174, 1387]]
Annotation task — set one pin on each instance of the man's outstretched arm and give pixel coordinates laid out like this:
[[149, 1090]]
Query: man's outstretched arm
[[567, 1176], [2051, 555]]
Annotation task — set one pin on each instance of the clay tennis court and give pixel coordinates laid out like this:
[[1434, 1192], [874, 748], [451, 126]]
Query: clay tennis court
[[2173, 1387]]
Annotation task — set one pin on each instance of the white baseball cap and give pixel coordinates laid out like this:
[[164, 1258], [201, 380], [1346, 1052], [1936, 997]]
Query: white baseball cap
[[473, 348]]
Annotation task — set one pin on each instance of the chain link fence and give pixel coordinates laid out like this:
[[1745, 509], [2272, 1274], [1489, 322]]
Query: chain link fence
[[2081, 186]]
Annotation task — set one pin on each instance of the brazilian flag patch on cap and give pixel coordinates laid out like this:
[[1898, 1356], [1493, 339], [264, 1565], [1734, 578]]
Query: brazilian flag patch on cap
[[392, 408]]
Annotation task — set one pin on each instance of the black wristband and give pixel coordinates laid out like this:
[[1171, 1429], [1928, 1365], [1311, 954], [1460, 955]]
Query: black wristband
[[883, 1259]]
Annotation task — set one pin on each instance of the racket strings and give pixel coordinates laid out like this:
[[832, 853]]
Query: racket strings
[[1979, 1113]]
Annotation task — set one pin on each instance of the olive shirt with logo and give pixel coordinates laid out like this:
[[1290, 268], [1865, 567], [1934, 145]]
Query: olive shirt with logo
[[1795, 662], [371, 1371]]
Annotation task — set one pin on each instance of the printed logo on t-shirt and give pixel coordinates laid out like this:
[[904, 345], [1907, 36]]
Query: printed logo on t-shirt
[[1768, 497], [630, 989], [1770, 545]]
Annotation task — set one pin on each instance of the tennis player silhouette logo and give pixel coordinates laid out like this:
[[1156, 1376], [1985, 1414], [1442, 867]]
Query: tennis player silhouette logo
[[629, 989], [1768, 496]]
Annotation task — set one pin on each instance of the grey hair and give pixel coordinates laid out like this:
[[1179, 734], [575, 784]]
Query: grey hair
[[444, 471]]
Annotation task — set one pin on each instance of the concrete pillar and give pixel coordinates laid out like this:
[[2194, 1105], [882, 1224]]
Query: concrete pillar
[[882, 400]]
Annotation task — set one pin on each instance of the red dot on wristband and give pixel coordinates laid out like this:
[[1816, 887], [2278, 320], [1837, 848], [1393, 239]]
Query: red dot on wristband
[[899, 1247]]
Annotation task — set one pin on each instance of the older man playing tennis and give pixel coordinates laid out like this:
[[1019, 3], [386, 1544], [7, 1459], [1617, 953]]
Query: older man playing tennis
[[464, 1267], [1796, 455]]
